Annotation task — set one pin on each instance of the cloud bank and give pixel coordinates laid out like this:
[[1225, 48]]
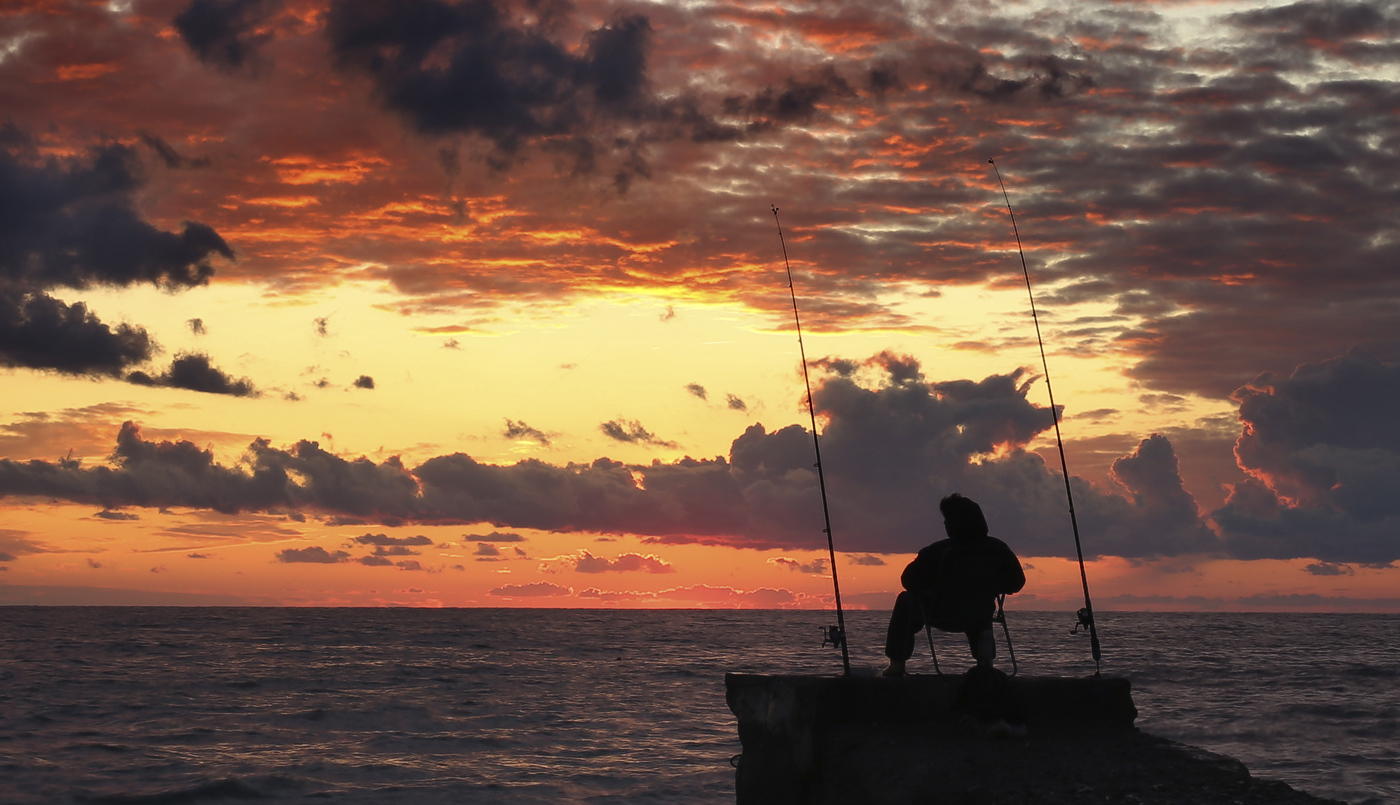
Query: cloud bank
[[1323, 464]]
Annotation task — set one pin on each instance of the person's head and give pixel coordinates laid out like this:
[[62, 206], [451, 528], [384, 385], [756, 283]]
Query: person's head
[[962, 517]]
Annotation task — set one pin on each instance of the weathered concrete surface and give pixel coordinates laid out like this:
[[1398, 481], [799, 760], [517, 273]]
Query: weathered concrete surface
[[868, 741]]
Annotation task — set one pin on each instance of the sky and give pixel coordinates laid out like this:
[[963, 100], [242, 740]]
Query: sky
[[483, 303]]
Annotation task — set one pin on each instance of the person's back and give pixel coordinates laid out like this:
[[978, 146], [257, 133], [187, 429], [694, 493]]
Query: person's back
[[971, 574]]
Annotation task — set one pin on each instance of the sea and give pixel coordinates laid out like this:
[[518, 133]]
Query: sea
[[169, 705]]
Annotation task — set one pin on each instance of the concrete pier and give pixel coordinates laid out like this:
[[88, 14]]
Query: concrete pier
[[811, 740]]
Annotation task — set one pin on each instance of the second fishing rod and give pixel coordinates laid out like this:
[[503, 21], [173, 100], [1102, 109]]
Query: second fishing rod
[[816, 444], [1086, 615]]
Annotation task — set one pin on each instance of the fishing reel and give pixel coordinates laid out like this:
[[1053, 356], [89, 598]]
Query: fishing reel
[[833, 636], [1086, 620]]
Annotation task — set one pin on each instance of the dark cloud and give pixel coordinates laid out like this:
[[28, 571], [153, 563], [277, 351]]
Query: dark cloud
[[816, 567], [167, 153], [1049, 78], [111, 515], [364, 382], [866, 559], [383, 540], [197, 326], [520, 430], [1323, 447], [313, 555], [735, 403], [14, 544], [697, 390], [224, 33], [1329, 569], [1361, 32], [470, 67], [795, 102], [586, 562], [539, 589], [486, 549], [322, 325], [375, 560], [484, 68], [494, 536], [72, 222], [632, 432], [396, 550], [193, 371], [40, 332]]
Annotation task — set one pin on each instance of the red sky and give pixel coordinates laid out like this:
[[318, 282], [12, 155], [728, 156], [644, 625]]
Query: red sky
[[482, 303]]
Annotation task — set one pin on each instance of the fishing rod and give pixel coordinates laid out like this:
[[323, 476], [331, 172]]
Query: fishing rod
[[816, 445], [1086, 615]]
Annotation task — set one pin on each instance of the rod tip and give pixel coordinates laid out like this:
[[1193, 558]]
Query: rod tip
[[991, 162]]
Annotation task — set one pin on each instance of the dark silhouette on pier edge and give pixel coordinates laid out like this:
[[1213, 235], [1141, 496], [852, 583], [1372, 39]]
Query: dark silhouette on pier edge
[[952, 585]]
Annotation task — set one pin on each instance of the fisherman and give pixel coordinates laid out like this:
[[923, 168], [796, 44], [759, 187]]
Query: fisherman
[[952, 585]]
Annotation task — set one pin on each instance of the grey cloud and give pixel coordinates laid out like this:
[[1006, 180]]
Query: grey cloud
[[72, 222], [314, 555], [586, 562], [223, 33], [1323, 447], [520, 430], [735, 403], [1329, 569], [111, 515], [14, 544], [816, 567], [383, 540], [40, 332], [697, 390], [167, 153], [364, 382], [632, 432], [194, 372], [494, 536], [539, 589], [492, 75]]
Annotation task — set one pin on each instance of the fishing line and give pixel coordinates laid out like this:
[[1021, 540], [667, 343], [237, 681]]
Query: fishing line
[[1086, 615], [816, 445]]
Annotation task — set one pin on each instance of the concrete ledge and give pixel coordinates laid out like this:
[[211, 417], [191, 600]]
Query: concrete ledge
[[1049, 702], [811, 740]]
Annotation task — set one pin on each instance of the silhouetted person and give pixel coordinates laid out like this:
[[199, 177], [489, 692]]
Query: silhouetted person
[[954, 583]]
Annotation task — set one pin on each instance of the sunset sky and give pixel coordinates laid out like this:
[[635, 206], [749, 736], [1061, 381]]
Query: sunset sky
[[482, 303]]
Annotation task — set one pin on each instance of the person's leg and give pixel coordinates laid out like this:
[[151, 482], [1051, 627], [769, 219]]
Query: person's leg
[[905, 622]]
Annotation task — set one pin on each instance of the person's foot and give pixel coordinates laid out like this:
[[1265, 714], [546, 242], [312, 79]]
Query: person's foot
[[895, 668]]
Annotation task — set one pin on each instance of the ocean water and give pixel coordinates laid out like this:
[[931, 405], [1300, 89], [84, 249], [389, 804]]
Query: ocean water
[[187, 705]]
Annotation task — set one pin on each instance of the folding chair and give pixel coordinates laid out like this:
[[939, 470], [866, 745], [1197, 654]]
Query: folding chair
[[998, 617]]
